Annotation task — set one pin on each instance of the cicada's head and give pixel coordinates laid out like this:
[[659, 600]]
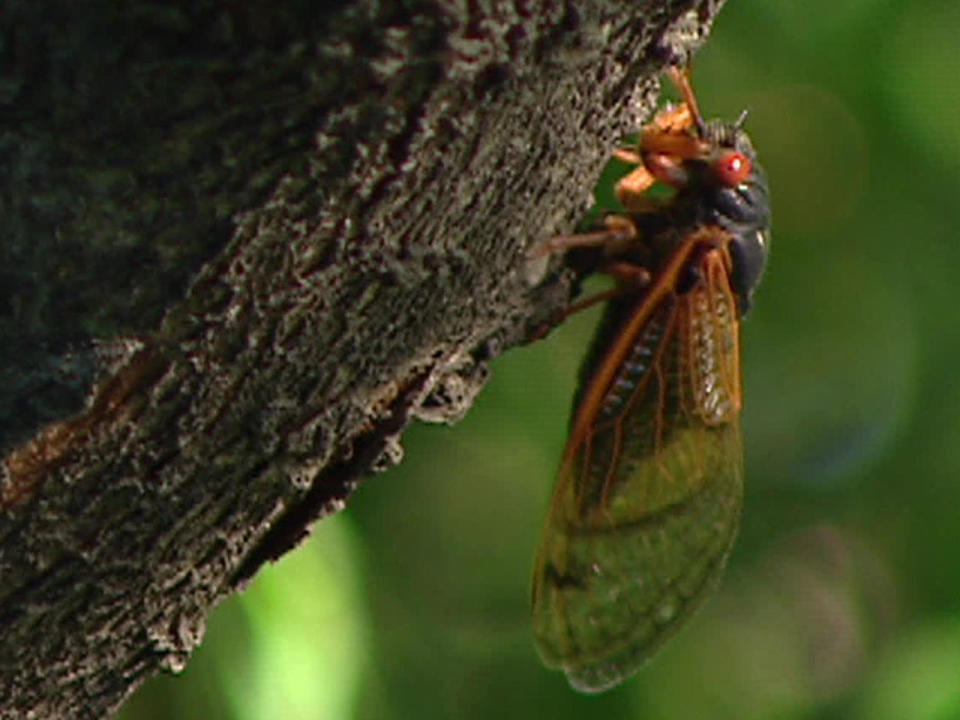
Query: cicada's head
[[731, 191]]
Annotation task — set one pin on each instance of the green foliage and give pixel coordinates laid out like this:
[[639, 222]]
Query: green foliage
[[842, 599]]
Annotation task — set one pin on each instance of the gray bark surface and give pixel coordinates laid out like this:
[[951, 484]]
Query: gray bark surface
[[244, 246]]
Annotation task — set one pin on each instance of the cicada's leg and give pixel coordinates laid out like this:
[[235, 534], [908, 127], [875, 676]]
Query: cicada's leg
[[679, 145], [672, 120], [681, 78], [631, 191], [620, 231], [668, 169], [664, 145], [629, 277]]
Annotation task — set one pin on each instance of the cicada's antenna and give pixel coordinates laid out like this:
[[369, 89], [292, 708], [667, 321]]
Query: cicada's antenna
[[738, 125], [681, 78]]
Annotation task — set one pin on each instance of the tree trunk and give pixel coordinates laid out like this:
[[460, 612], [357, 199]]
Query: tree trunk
[[244, 245]]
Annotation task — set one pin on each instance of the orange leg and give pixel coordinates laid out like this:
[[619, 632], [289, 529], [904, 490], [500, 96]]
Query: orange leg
[[673, 120], [665, 144], [631, 190], [667, 169], [628, 275], [629, 278], [628, 156], [681, 78], [619, 230], [680, 145]]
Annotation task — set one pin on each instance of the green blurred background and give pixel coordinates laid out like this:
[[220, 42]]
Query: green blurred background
[[842, 599]]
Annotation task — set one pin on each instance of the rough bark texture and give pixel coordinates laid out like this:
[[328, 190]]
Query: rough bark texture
[[244, 245]]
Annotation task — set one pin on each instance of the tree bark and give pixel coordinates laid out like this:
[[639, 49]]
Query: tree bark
[[244, 246]]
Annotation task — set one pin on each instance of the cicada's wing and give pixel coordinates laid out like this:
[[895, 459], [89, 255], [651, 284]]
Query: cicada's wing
[[648, 499]]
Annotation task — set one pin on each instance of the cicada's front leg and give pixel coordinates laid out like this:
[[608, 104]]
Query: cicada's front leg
[[665, 144]]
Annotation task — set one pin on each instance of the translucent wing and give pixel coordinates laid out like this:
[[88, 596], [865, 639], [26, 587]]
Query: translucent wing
[[648, 499]]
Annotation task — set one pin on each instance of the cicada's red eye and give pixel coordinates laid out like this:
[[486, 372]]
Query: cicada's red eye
[[731, 168]]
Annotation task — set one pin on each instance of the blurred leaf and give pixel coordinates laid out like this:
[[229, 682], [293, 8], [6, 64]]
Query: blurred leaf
[[308, 633], [919, 76], [918, 676]]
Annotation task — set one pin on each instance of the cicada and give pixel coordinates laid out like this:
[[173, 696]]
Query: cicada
[[649, 494]]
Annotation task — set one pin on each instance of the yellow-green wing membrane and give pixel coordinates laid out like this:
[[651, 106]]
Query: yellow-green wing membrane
[[648, 499]]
